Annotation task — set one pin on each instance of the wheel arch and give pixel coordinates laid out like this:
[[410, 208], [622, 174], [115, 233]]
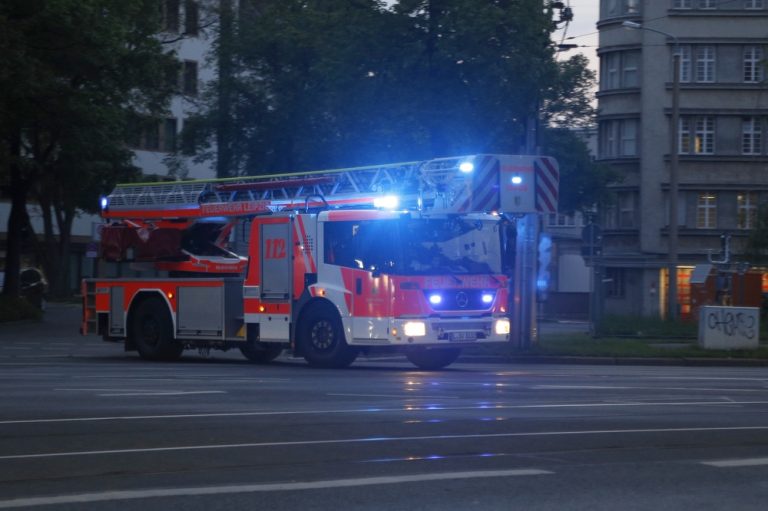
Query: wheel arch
[[308, 305], [139, 298]]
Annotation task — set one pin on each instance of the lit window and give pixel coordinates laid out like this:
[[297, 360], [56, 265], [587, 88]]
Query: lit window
[[706, 211], [696, 135]]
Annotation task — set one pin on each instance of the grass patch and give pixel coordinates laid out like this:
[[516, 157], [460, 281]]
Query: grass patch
[[645, 327], [582, 345], [16, 308]]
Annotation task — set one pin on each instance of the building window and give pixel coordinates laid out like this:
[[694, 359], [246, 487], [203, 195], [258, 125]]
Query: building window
[[156, 135], [751, 136], [562, 220], [615, 280], [191, 18], [618, 138], [619, 70], [168, 142], [626, 203], [620, 7], [682, 4], [685, 63], [629, 69], [702, 58], [609, 67], [747, 209], [705, 64], [696, 135], [754, 4], [189, 78], [707, 4], [754, 62], [706, 211], [170, 15]]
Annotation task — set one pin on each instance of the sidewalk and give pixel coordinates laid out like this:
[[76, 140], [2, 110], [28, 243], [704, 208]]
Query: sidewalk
[[61, 323]]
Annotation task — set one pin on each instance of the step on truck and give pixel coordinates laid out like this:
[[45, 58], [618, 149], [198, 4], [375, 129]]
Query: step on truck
[[417, 257]]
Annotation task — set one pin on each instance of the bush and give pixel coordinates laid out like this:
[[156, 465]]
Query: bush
[[15, 308]]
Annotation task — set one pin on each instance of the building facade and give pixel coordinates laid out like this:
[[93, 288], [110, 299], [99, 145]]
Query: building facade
[[722, 140]]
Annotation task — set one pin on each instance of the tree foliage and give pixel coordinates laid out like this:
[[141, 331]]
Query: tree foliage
[[73, 73], [338, 83]]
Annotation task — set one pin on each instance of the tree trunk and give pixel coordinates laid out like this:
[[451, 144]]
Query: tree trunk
[[17, 220]]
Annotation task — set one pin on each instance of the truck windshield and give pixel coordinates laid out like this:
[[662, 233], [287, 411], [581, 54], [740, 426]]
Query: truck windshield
[[415, 246]]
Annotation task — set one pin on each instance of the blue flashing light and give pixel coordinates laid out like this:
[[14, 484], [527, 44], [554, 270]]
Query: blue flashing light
[[435, 299], [104, 202], [541, 284], [466, 167], [487, 297], [387, 202], [517, 180]]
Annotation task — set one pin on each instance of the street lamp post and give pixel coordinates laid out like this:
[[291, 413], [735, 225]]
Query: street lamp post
[[672, 307]]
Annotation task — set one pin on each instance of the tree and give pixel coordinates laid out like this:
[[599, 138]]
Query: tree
[[73, 75], [337, 83]]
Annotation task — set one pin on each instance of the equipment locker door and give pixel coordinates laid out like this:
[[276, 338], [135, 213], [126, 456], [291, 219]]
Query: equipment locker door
[[276, 261]]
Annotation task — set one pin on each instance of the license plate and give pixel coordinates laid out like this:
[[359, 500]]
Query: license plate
[[462, 336]]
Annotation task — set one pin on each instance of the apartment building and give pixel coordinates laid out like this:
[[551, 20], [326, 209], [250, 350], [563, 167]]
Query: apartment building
[[722, 139], [187, 29]]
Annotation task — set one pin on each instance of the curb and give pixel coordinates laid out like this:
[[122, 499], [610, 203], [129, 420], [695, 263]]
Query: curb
[[639, 361]]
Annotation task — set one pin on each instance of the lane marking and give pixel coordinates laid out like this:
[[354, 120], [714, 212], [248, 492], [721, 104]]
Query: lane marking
[[148, 393], [399, 396], [577, 387], [373, 440], [264, 487], [746, 462], [411, 408]]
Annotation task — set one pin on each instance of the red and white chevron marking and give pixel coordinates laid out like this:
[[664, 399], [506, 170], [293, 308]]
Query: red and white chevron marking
[[547, 178]]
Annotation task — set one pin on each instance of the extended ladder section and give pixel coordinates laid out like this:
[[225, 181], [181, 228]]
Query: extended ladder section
[[454, 185], [184, 225], [259, 194]]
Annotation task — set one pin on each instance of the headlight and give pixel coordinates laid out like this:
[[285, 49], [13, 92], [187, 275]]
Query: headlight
[[487, 298], [501, 327], [435, 299], [415, 329]]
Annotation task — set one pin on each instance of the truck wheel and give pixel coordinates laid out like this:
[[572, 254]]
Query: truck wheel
[[261, 352], [152, 331], [431, 359], [321, 338]]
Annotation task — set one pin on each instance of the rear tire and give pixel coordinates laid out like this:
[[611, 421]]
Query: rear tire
[[321, 338], [152, 331], [432, 359], [261, 353]]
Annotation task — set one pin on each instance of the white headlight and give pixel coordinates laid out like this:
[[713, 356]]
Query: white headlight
[[501, 327], [466, 167], [415, 329]]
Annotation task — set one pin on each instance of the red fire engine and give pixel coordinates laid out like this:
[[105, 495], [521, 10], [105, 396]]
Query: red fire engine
[[416, 256]]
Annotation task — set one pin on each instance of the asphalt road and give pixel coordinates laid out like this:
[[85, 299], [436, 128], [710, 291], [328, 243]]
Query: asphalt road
[[84, 426]]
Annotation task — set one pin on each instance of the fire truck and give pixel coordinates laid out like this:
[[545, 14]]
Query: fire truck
[[424, 257]]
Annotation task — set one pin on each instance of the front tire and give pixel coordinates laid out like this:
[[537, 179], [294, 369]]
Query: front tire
[[152, 331], [432, 359], [321, 338]]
